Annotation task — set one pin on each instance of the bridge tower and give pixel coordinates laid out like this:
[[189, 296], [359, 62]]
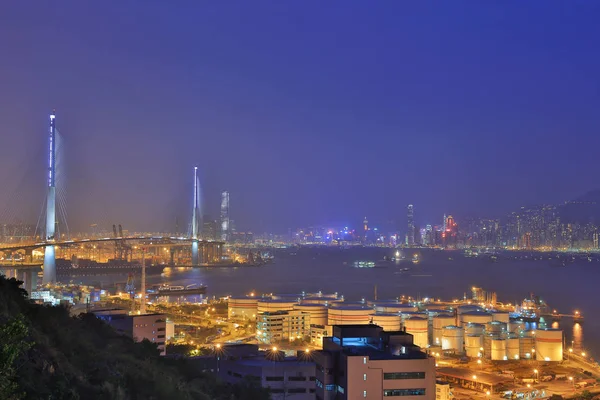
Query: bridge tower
[[195, 211], [49, 256]]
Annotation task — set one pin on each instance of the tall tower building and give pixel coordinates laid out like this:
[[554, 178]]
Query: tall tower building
[[365, 228], [225, 226], [410, 237], [195, 211]]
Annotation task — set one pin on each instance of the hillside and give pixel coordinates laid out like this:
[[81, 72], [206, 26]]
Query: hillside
[[46, 354]]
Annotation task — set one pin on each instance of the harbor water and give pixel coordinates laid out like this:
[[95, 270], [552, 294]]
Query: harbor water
[[439, 274]]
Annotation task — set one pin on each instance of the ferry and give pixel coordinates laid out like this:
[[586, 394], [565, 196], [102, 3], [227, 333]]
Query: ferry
[[416, 259], [168, 290]]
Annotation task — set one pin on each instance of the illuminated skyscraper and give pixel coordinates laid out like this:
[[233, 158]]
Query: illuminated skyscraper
[[410, 237], [195, 210], [365, 228], [225, 226]]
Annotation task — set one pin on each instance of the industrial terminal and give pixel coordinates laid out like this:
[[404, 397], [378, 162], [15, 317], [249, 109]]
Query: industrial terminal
[[479, 344]]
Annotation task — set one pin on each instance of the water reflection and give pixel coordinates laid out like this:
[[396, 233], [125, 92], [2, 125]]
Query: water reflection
[[577, 339]]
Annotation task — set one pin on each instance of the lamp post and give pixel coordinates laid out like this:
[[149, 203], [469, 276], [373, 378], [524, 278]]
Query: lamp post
[[218, 354], [570, 352], [537, 375]]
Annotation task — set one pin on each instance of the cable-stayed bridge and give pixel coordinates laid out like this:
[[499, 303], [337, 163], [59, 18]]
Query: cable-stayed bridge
[[27, 266]]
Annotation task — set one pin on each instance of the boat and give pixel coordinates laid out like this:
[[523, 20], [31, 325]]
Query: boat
[[364, 264], [415, 258], [189, 290]]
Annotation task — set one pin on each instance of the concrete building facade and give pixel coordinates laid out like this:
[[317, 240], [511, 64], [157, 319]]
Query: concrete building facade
[[286, 377], [364, 362], [274, 327], [146, 326]]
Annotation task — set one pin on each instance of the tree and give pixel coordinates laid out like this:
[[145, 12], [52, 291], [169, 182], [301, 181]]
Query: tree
[[15, 344]]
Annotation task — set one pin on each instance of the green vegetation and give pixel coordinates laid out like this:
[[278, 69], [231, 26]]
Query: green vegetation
[[47, 354]]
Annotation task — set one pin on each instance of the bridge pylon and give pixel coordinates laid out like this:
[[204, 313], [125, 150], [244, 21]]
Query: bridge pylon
[[49, 255]]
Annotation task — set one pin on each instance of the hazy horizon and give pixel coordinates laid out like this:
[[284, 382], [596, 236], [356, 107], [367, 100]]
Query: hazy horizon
[[306, 113]]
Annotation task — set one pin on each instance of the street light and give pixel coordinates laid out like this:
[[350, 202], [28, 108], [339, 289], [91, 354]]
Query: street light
[[537, 375], [583, 354]]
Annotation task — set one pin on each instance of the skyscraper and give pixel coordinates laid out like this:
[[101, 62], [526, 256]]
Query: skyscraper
[[410, 237], [225, 216]]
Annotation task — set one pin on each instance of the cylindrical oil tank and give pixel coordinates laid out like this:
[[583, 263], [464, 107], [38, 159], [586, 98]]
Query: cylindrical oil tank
[[487, 346], [437, 311], [318, 312], [478, 317], [242, 307], [474, 329], [412, 314], [465, 308], [417, 326], [526, 347], [348, 315], [501, 316], [286, 296], [473, 345], [273, 305], [439, 322], [495, 328], [331, 296], [453, 339], [516, 327], [388, 321], [549, 345], [394, 307], [374, 303], [320, 300], [498, 349], [512, 348]]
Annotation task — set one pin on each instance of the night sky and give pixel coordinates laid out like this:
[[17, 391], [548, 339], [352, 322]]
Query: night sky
[[308, 112]]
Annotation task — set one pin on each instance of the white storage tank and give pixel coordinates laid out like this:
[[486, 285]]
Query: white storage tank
[[274, 305], [516, 327], [417, 326], [477, 317], [242, 307], [453, 339], [512, 348], [501, 316], [287, 296], [473, 345], [318, 312], [394, 308], [388, 321], [498, 349], [526, 347], [549, 345], [474, 329], [320, 300], [468, 308], [348, 315], [439, 322], [495, 328]]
